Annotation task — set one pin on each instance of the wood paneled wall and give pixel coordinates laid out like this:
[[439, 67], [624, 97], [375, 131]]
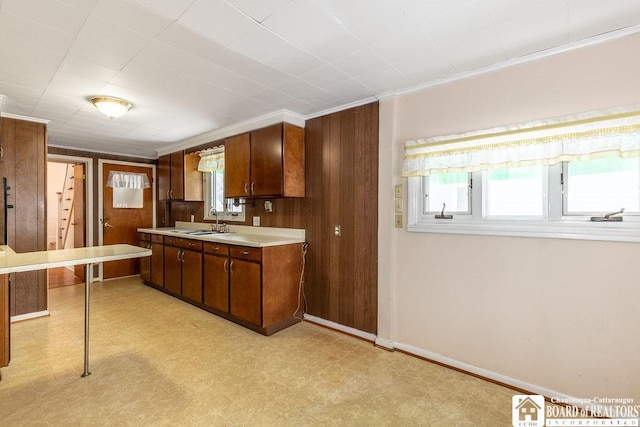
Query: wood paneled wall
[[24, 165], [341, 189]]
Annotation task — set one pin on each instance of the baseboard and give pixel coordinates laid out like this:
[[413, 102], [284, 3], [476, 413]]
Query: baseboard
[[29, 316], [342, 328], [518, 385]]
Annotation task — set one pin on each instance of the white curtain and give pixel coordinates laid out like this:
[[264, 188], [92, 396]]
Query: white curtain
[[591, 135], [211, 159], [132, 180]]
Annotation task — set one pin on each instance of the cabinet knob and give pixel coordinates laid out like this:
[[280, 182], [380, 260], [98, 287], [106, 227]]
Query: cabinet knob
[[245, 252]]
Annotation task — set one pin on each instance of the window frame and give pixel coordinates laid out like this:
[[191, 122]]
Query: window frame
[[555, 225], [222, 216]]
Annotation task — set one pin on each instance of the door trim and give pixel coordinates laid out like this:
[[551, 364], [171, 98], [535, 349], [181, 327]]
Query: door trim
[[101, 163], [89, 214]]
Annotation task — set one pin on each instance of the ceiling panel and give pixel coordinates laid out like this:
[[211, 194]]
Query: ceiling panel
[[193, 66]]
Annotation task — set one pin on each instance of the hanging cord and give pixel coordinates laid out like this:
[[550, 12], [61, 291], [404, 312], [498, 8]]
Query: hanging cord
[[301, 296]]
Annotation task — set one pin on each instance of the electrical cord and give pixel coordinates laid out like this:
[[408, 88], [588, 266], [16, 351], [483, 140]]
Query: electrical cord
[[301, 295]]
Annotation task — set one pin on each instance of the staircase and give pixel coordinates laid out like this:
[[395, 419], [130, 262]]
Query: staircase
[[65, 208]]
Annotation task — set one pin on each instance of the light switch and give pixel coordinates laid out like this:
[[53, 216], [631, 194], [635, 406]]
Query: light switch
[[399, 191], [256, 221], [398, 220], [398, 205]]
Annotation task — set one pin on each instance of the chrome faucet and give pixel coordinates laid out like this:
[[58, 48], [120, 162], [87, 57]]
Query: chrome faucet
[[217, 226]]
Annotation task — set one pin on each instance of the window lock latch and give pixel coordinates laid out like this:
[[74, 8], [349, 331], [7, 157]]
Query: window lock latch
[[441, 215], [609, 217]]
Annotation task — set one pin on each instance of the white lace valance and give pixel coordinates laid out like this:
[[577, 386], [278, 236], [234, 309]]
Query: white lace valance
[[211, 159], [539, 143], [137, 181]]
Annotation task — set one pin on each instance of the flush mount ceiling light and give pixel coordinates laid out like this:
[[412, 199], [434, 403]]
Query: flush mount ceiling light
[[110, 106]]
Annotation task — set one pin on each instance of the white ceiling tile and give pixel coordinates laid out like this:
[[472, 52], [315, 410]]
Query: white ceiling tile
[[166, 56], [263, 46], [68, 84], [482, 50], [425, 12], [14, 52], [217, 20], [172, 9], [333, 45], [87, 69], [382, 79], [423, 68], [464, 24], [297, 63], [226, 79], [588, 18], [522, 9], [272, 97], [408, 43], [369, 20], [295, 87], [18, 28], [131, 16], [324, 75], [301, 22], [181, 37], [349, 90], [360, 62], [85, 6], [13, 90], [259, 10], [55, 14]]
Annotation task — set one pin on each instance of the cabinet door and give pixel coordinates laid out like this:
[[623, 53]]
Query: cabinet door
[[173, 269], [5, 331], [236, 172], [164, 177], [145, 262], [177, 175], [266, 161], [216, 282], [157, 264], [192, 275], [244, 288]]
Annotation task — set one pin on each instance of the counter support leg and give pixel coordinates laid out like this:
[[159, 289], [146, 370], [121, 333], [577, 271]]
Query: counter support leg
[[87, 284]]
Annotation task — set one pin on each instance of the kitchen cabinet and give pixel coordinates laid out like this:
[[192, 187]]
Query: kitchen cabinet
[[183, 267], [245, 284], [267, 162], [152, 268], [178, 177], [145, 263], [216, 276]]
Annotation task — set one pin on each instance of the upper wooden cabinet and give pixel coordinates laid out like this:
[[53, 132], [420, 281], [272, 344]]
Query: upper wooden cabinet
[[267, 162], [178, 177]]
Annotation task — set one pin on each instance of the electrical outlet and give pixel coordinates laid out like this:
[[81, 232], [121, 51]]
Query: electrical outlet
[[256, 221], [268, 206], [399, 221], [337, 230], [399, 191], [193, 218]]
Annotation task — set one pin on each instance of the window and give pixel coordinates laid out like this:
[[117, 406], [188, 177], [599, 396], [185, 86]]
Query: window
[[214, 199], [216, 207], [517, 192], [562, 178], [602, 185], [450, 189]]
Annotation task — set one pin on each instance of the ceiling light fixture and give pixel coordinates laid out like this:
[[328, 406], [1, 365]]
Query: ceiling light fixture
[[110, 106]]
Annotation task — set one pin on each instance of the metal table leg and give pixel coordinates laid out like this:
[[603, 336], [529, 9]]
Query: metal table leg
[[87, 284]]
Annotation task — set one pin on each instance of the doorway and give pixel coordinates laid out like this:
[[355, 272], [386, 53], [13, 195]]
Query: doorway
[[67, 205], [125, 203]]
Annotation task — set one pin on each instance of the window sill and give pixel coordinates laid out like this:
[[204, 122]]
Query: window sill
[[576, 230], [226, 218]]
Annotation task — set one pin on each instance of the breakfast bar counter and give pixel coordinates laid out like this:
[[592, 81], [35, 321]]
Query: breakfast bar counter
[[11, 262]]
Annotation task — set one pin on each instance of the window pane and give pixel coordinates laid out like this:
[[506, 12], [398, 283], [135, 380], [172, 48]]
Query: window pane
[[516, 191], [602, 185], [219, 190], [449, 188]]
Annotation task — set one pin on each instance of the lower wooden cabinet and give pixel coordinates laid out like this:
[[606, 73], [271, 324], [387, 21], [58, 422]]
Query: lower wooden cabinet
[[254, 287], [157, 260], [145, 262]]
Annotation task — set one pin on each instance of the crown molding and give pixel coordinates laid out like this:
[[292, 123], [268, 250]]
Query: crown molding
[[25, 118], [111, 153], [353, 104], [238, 128], [602, 38]]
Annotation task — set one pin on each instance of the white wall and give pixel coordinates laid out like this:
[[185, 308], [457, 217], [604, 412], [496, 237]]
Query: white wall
[[561, 315]]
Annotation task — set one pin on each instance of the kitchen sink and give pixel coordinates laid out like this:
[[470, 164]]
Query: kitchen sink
[[196, 232]]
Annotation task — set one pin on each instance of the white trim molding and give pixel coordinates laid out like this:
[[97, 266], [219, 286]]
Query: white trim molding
[[342, 328], [29, 316]]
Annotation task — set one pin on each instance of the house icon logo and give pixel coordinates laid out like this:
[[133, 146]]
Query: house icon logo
[[527, 410]]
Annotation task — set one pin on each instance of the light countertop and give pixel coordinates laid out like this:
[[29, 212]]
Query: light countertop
[[11, 262], [240, 235]]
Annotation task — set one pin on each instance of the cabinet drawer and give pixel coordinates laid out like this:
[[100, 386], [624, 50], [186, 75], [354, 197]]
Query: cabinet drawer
[[216, 248], [144, 237], [157, 238], [243, 252], [195, 245]]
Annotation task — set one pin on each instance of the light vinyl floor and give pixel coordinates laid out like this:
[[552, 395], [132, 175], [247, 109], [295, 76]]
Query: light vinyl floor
[[156, 360]]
